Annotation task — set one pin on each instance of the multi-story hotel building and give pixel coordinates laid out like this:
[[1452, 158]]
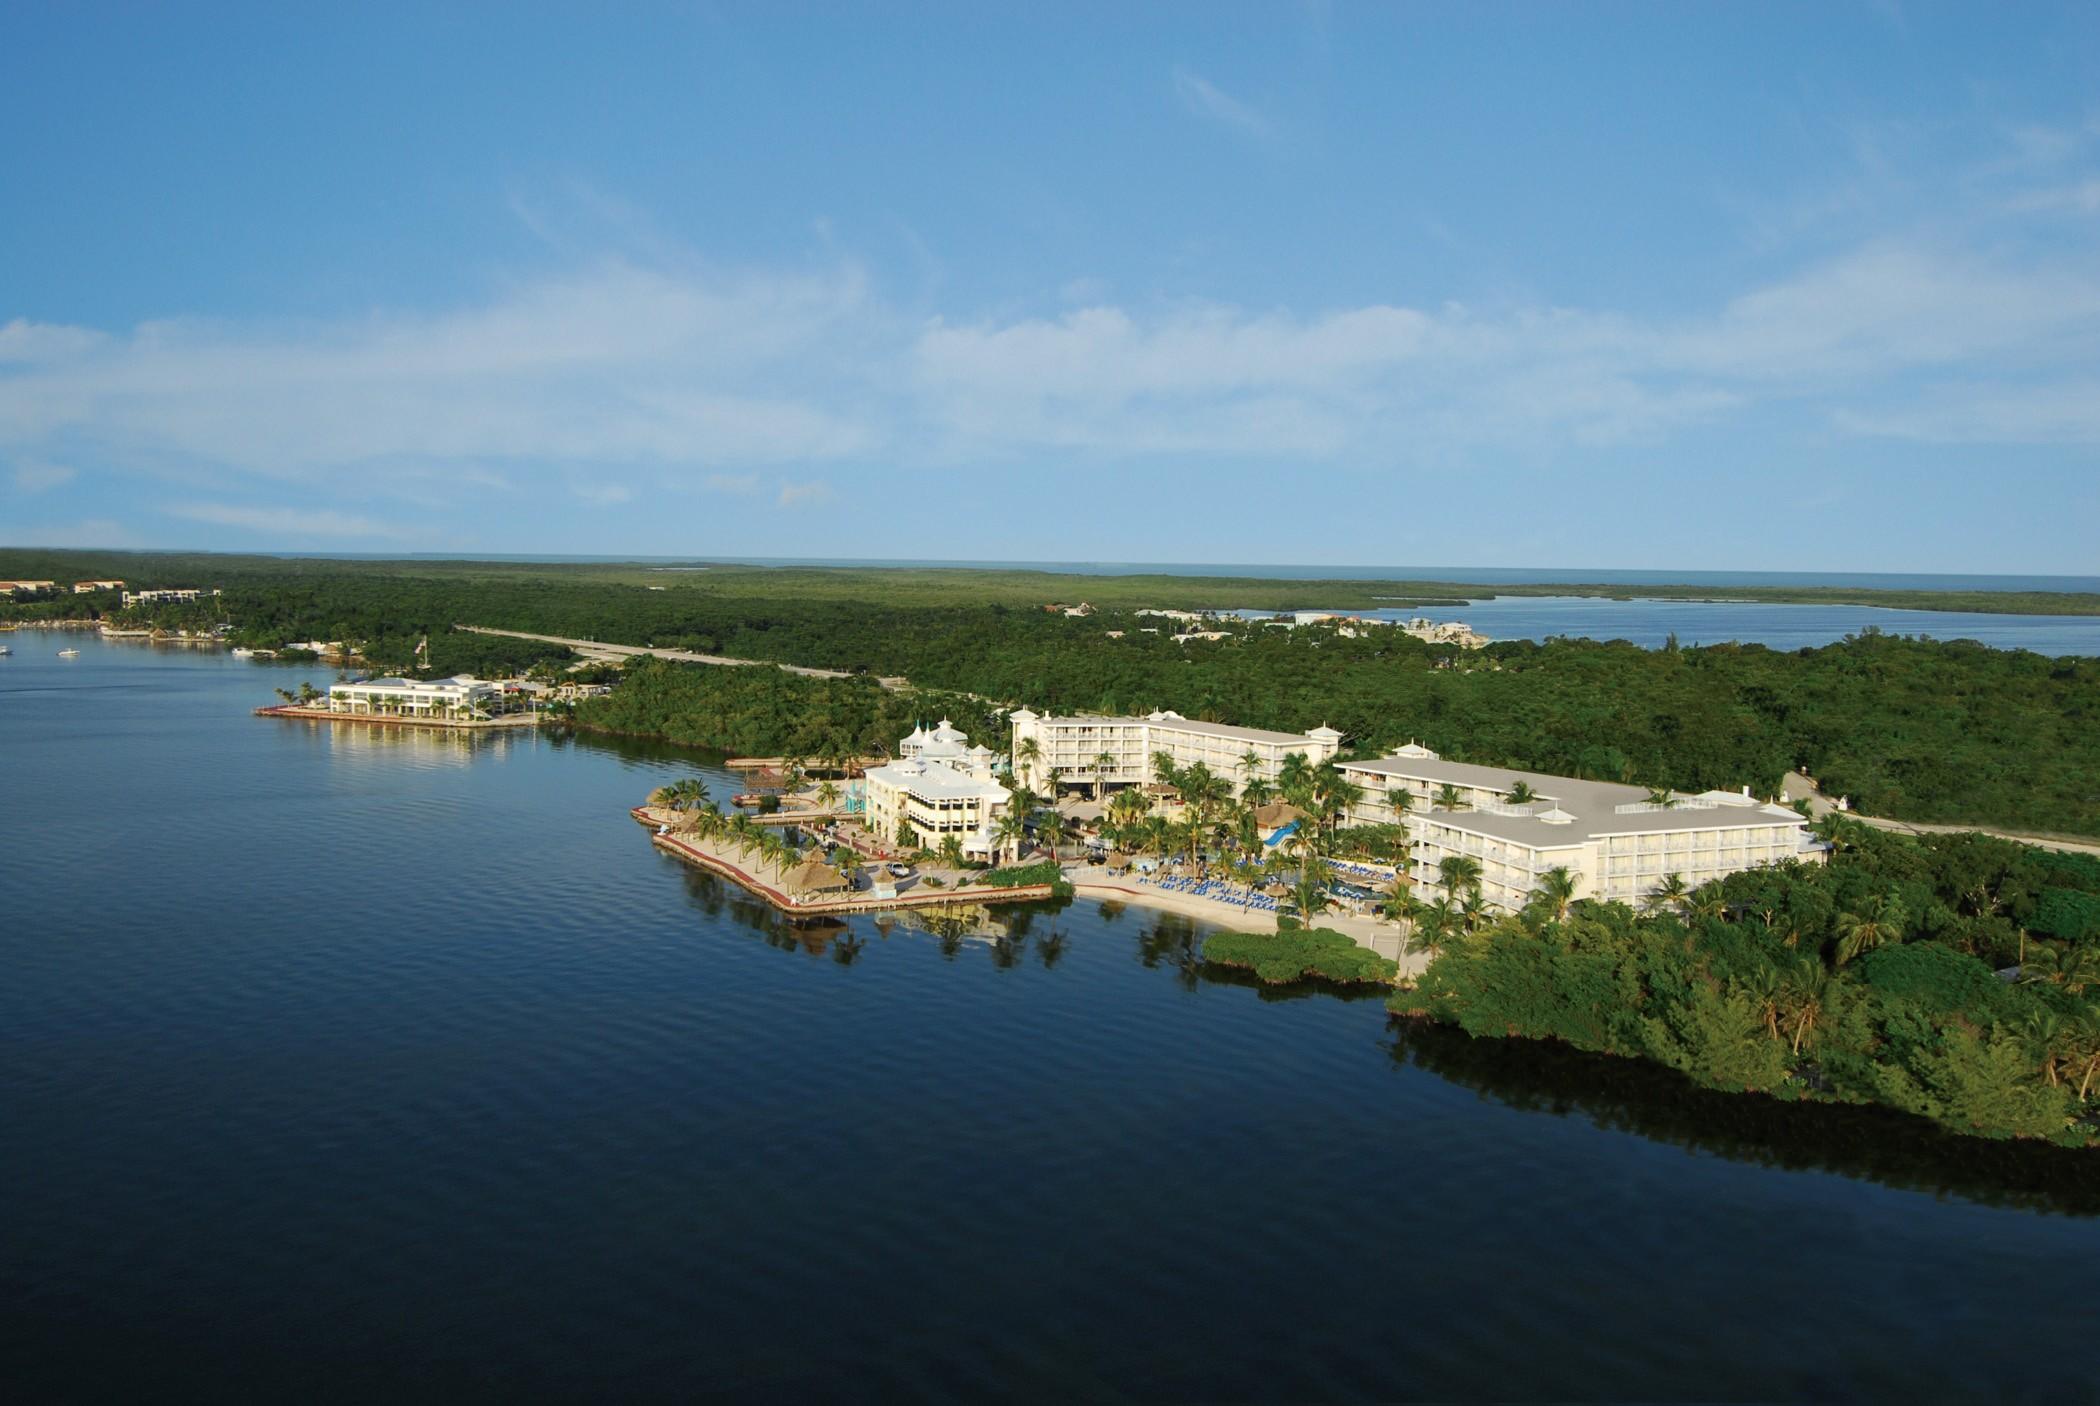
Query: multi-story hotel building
[[938, 786], [181, 593], [1072, 747], [1616, 842], [462, 697]]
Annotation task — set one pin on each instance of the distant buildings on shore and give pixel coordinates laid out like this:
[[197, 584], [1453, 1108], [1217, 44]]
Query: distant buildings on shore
[[460, 698], [173, 595]]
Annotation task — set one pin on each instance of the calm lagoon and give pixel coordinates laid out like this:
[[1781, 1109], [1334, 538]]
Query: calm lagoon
[[349, 1064]]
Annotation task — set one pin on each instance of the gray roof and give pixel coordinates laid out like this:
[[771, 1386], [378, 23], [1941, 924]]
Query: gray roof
[[1595, 805]]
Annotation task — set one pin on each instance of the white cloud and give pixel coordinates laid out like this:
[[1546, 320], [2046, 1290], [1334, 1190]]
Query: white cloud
[[759, 382], [616, 364], [287, 522], [35, 476], [1206, 100]]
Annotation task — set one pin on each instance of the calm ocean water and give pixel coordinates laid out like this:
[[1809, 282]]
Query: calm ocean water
[[339, 1064], [1649, 623]]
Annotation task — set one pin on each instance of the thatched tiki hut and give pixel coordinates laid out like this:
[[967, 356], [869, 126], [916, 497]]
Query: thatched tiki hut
[[812, 877]]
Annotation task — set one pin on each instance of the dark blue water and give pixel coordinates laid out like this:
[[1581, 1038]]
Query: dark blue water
[[1650, 623], [342, 1064]]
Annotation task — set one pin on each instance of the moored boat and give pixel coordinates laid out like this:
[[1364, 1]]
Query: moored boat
[[69, 654]]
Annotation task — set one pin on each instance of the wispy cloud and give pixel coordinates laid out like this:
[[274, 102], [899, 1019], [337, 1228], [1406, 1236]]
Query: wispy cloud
[[1206, 100], [35, 476], [603, 495], [773, 385], [288, 522]]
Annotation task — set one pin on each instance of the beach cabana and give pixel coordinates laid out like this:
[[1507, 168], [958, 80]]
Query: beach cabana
[[1118, 861], [811, 876]]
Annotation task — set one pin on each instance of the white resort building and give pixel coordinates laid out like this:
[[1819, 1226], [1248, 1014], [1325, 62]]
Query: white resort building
[[1616, 842], [1072, 747], [461, 698], [939, 786], [181, 593]]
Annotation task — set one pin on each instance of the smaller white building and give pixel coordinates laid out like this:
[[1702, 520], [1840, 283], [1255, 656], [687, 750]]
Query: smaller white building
[[178, 594], [939, 786], [460, 698]]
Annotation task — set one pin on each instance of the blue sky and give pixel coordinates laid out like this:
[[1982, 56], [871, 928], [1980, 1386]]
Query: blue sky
[[1773, 286]]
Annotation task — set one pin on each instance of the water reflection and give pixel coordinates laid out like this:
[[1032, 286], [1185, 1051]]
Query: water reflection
[[1631, 1096]]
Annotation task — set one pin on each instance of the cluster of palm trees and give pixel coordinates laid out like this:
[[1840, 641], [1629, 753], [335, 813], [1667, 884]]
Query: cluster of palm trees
[[695, 812]]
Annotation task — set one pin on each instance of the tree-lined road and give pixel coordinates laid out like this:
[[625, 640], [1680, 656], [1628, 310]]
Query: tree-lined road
[[600, 649]]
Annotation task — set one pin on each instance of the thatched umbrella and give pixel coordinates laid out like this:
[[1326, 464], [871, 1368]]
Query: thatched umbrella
[[812, 876], [1276, 891], [1118, 860]]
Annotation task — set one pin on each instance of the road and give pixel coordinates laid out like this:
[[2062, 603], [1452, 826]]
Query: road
[[1820, 805], [598, 649]]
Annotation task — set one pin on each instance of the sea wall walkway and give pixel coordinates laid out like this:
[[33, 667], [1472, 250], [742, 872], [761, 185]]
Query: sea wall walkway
[[323, 715], [702, 855]]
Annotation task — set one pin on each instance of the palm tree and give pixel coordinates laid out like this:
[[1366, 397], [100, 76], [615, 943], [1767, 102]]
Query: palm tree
[[1709, 900], [1811, 992], [1164, 771], [1520, 794], [1660, 796], [1310, 892], [1880, 920], [1030, 755], [1294, 775], [952, 851], [1556, 892], [1010, 831], [1668, 894], [1335, 794], [1104, 763], [1460, 873], [1051, 831], [1765, 985], [1448, 798], [1401, 800], [1433, 924]]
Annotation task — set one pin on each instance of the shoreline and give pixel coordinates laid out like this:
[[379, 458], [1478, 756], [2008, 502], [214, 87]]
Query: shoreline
[[856, 901], [322, 715]]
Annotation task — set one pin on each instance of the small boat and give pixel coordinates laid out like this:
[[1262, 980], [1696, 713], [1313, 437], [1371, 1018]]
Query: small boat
[[5, 650], [69, 654], [240, 653]]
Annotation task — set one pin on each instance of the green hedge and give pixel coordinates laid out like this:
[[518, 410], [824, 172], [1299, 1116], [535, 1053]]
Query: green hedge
[[1279, 957]]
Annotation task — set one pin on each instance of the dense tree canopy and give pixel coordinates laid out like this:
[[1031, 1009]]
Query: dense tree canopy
[[1915, 729], [1959, 1012]]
